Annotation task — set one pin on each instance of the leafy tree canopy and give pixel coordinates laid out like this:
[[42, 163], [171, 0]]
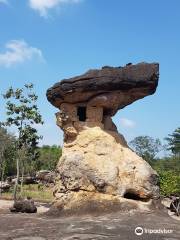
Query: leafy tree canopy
[[173, 141], [22, 113], [49, 157], [146, 147]]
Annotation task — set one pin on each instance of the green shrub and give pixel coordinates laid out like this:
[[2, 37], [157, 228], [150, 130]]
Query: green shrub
[[169, 182]]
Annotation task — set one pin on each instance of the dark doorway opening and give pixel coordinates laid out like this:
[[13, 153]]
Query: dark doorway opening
[[81, 112], [134, 196]]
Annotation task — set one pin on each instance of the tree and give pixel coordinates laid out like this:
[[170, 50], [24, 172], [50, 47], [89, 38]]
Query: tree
[[49, 157], [146, 147], [174, 142], [6, 143], [22, 113]]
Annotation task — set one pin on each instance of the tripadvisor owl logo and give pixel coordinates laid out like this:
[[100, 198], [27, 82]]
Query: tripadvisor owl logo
[[138, 231]]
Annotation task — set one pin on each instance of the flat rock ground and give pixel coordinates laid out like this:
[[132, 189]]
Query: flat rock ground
[[119, 225]]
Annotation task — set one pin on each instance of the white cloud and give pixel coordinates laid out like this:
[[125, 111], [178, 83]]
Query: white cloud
[[4, 1], [18, 51], [42, 6], [127, 123]]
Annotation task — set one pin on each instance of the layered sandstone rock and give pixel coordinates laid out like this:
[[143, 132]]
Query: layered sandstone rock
[[110, 88], [97, 168]]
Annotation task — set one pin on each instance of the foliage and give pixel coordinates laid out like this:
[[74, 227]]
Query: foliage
[[22, 113], [169, 175], [174, 142], [146, 147], [7, 153], [23, 151], [49, 157], [35, 191], [169, 163], [169, 182], [168, 168]]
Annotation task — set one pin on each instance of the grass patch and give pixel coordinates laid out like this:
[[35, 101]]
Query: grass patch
[[35, 191]]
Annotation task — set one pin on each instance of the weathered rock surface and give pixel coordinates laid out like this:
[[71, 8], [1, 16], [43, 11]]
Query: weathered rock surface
[[45, 176], [24, 206], [175, 206], [4, 186], [113, 226], [26, 180], [97, 169], [111, 88]]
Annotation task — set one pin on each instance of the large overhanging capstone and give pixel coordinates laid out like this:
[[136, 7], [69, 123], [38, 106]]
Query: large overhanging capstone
[[112, 88], [97, 170]]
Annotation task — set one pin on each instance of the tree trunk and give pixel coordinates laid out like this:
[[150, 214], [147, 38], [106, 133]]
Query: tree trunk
[[17, 178], [17, 163], [2, 176], [2, 172], [22, 179], [1, 180]]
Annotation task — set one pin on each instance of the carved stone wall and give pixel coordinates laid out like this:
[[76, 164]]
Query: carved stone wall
[[94, 114], [70, 110]]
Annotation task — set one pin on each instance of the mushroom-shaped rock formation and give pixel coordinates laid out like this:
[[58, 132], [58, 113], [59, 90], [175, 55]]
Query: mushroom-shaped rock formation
[[97, 170], [110, 88]]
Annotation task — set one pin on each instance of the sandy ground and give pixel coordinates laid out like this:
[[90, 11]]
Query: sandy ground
[[6, 204], [119, 225]]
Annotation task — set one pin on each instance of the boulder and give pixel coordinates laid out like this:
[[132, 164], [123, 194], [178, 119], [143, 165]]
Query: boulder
[[24, 206], [175, 205], [45, 176], [97, 168], [4, 186], [14, 180], [28, 180]]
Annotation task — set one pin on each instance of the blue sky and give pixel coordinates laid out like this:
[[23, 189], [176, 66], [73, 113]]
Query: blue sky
[[44, 41]]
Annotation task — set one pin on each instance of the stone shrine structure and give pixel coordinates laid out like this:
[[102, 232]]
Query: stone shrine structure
[[97, 170]]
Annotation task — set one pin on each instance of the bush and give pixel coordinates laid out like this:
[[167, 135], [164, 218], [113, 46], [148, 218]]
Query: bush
[[169, 183]]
